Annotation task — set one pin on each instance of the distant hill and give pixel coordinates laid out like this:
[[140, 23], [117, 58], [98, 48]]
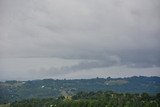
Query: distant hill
[[17, 90]]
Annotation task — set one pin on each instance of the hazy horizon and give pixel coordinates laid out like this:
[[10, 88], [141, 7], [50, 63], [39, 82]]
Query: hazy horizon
[[75, 78], [79, 39]]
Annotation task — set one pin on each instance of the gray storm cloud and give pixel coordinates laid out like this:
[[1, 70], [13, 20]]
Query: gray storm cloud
[[104, 33]]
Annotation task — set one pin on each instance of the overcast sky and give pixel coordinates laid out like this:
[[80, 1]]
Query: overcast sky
[[79, 38]]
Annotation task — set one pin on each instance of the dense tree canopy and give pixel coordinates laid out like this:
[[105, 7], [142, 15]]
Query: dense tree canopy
[[94, 99]]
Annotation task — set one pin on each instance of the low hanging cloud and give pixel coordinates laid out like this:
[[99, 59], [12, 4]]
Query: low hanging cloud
[[104, 33]]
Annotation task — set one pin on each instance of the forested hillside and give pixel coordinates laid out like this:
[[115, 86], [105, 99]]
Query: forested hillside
[[94, 99], [11, 91]]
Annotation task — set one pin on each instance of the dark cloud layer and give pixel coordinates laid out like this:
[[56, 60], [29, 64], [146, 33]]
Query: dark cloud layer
[[103, 33]]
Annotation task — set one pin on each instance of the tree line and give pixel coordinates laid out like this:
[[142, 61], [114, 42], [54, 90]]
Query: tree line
[[94, 99]]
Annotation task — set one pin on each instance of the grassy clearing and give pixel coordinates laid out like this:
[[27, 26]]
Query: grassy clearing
[[4, 105]]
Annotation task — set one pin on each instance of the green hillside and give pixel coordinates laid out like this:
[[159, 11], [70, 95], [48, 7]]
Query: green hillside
[[94, 99], [11, 91]]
